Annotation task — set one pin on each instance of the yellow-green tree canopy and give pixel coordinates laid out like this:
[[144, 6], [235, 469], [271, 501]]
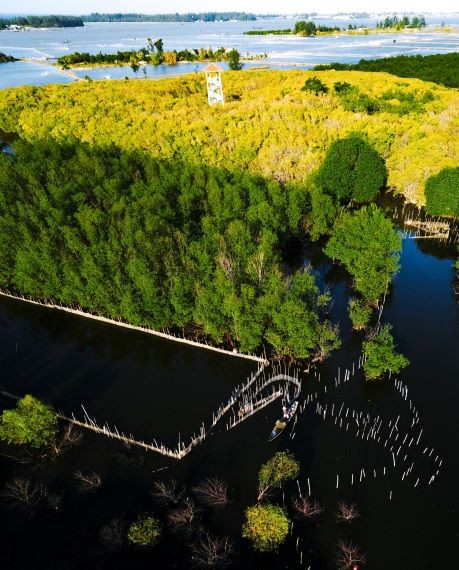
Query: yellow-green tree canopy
[[271, 128], [144, 532], [266, 526], [280, 468], [31, 423]]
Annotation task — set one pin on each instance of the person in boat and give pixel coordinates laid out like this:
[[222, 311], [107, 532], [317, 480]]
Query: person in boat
[[285, 413]]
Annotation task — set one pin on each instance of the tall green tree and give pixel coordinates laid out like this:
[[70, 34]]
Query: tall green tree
[[442, 193], [305, 28], [367, 244], [280, 468], [352, 170], [234, 57], [381, 355], [315, 85], [156, 242]]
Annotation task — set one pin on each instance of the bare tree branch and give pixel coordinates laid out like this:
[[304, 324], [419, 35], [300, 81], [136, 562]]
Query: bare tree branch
[[69, 438], [183, 515], [212, 552], [90, 481], [306, 508], [24, 495], [212, 492], [112, 535], [167, 492], [349, 556], [346, 512]]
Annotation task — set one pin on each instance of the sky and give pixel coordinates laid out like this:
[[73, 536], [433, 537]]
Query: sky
[[255, 6]]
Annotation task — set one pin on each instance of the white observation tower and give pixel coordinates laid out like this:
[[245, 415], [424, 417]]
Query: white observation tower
[[214, 84]]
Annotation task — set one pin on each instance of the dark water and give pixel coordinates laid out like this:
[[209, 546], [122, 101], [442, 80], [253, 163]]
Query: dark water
[[154, 388]]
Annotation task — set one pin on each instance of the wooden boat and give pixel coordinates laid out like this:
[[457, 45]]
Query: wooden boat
[[283, 422]]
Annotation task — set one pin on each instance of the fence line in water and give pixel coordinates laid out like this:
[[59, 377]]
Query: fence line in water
[[81, 313], [250, 393]]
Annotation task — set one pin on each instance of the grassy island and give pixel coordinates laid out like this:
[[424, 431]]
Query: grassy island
[[301, 28], [308, 28], [140, 202]]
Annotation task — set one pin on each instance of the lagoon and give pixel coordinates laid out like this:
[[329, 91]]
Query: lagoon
[[43, 46]]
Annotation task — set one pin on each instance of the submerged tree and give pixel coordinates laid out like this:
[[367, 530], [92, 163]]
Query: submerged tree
[[31, 423], [88, 482], [266, 526], [24, 495], [349, 556], [69, 437], [346, 512], [183, 515], [212, 492], [381, 356], [211, 552], [280, 468], [113, 535], [167, 492], [306, 508]]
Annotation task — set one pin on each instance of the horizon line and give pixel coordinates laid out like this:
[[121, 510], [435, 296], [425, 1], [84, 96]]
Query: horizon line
[[231, 12]]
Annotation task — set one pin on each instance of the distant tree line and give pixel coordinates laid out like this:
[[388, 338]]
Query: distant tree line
[[5, 58], [281, 32], [403, 22], [43, 22], [439, 68], [176, 17]]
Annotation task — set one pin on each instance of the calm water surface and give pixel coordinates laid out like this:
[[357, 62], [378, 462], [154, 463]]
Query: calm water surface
[[154, 388]]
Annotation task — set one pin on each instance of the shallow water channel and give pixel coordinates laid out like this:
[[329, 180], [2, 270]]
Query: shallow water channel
[[157, 389]]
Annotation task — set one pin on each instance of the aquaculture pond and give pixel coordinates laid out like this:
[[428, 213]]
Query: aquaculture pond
[[403, 480]]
